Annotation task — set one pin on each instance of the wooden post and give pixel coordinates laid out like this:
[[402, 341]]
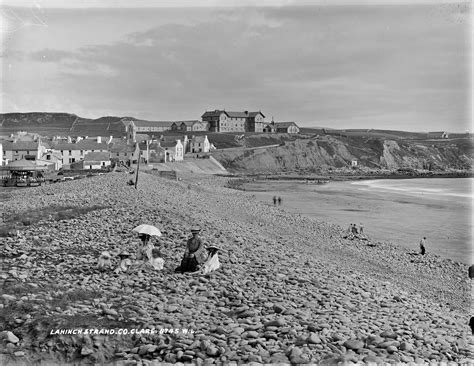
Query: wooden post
[[138, 167]]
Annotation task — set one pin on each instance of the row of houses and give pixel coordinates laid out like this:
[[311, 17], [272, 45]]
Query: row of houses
[[96, 154]]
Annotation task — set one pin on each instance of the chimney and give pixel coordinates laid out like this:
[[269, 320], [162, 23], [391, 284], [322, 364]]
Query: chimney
[[110, 140], [246, 112], [69, 140], [99, 139]]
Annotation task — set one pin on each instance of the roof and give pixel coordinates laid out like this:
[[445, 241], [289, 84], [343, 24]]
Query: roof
[[121, 147], [81, 145], [285, 124], [141, 137], [139, 123], [199, 139], [97, 156], [168, 143], [24, 164], [188, 123], [243, 114], [20, 145]]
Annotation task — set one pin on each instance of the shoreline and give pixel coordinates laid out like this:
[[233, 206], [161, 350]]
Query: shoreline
[[291, 289]]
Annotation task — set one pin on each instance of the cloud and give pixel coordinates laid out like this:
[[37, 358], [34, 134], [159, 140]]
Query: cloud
[[50, 55]]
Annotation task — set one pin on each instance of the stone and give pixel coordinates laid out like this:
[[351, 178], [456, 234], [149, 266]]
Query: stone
[[313, 339], [10, 337], [353, 344]]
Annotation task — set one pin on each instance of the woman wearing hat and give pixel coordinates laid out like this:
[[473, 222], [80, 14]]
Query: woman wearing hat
[[195, 253]]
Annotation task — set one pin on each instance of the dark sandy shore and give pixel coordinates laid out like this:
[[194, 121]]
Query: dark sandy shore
[[290, 289]]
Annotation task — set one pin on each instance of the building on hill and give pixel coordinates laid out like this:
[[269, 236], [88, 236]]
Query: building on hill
[[286, 127], [193, 126], [269, 127], [438, 135], [24, 136], [199, 144], [132, 127], [224, 121]]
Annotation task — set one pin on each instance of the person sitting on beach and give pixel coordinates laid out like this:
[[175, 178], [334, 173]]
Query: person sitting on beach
[[125, 262], [274, 200], [156, 261], [144, 252], [279, 200], [105, 260], [361, 228], [195, 254], [422, 246]]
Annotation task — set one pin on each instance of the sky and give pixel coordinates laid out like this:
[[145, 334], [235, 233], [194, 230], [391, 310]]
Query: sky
[[341, 64]]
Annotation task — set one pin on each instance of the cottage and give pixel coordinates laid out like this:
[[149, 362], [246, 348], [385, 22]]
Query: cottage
[[224, 121], [286, 127], [20, 149], [123, 151], [199, 144], [54, 158], [96, 160], [438, 135], [174, 150]]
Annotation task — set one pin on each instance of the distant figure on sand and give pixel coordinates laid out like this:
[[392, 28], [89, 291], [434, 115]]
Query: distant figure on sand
[[361, 228], [471, 272], [195, 253], [354, 229], [422, 246], [279, 200], [471, 324], [274, 200]]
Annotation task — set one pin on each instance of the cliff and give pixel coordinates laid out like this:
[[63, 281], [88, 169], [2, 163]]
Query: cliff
[[319, 154]]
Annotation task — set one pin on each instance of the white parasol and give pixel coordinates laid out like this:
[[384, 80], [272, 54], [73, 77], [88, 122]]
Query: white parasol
[[148, 230]]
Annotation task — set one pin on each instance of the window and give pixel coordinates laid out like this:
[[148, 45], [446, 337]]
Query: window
[[62, 151], [118, 154], [27, 152], [48, 157], [82, 152], [70, 153], [16, 152]]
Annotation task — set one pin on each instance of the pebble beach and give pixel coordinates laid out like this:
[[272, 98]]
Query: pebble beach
[[290, 290]]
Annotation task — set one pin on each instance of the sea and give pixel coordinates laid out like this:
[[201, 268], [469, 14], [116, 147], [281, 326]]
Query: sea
[[401, 211]]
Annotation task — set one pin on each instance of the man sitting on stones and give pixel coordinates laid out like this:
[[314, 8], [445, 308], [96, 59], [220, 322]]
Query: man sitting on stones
[[195, 254]]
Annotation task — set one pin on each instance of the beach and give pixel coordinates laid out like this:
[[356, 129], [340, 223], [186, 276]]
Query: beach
[[400, 211], [291, 289]]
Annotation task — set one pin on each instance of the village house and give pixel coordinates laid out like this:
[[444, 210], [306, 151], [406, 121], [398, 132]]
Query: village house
[[76, 151], [155, 153], [174, 150], [132, 127], [270, 128], [20, 149], [96, 160], [223, 121], [199, 144], [122, 151], [53, 158]]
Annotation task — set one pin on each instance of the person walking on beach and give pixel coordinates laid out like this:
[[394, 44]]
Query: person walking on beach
[[422, 246], [279, 200], [274, 200], [361, 228]]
